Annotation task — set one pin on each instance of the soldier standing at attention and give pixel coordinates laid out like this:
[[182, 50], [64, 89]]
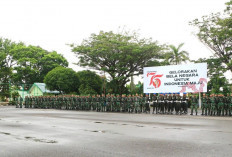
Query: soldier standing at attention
[[227, 104], [174, 97], [170, 104], [147, 100], [165, 103], [194, 104], [114, 103], [216, 100], [98, 105], [203, 106], [129, 101], [154, 103], [213, 105], [26, 102], [159, 99], [178, 104], [20, 102], [162, 102], [220, 105], [143, 103], [184, 104], [207, 105], [108, 99], [118, 103], [230, 105], [123, 103]]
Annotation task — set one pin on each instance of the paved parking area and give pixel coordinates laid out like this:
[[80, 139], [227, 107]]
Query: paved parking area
[[62, 133]]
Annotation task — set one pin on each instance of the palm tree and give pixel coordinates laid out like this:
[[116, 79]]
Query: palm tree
[[177, 56]]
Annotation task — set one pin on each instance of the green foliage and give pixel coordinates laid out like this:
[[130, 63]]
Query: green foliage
[[90, 82], [14, 94], [25, 64], [34, 63], [176, 55], [215, 32], [138, 88], [62, 79], [217, 83], [86, 90], [121, 55], [6, 65]]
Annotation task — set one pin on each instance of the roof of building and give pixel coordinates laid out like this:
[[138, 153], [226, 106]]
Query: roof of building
[[42, 87]]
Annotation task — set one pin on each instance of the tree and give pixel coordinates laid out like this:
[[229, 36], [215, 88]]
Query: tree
[[137, 89], [215, 32], [63, 80], [33, 63], [216, 75], [6, 64], [90, 82], [121, 55], [176, 56]]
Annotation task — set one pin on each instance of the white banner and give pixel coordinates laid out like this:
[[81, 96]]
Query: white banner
[[175, 78]]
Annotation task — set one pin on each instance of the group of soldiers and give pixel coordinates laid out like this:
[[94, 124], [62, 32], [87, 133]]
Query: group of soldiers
[[217, 104], [156, 103]]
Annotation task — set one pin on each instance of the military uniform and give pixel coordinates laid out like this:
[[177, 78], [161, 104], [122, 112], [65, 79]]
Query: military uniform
[[147, 100], [203, 106], [154, 104], [137, 105], [212, 105], [170, 104], [184, 103], [166, 104], [194, 104], [178, 104], [230, 105]]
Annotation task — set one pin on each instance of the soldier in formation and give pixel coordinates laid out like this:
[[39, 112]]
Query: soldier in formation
[[164, 103]]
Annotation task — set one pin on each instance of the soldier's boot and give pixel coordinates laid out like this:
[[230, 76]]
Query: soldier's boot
[[191, 112]]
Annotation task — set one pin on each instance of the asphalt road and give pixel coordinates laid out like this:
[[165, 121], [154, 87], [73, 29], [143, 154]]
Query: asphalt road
[[61, 133]]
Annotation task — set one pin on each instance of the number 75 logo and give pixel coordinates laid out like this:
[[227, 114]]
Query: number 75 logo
[[155, 81]]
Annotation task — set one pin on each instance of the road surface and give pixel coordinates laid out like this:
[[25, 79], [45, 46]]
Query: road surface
[[62, 133]]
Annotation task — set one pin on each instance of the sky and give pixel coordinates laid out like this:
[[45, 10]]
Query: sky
[[52, 24]]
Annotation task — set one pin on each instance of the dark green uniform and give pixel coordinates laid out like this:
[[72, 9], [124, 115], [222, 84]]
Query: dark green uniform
[[178, 104], [194, 104]]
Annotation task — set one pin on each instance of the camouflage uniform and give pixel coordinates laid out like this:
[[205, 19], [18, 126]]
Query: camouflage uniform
[[154, 104], [204, 104], [194, 104]]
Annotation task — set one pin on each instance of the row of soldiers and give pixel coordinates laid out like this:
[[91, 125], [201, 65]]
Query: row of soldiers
[[217, 104], [157, 104]]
